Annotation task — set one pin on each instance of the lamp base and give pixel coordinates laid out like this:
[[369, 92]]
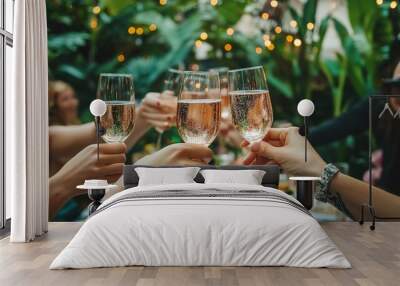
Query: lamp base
[[304, 193], [95, 195], [305, 187]]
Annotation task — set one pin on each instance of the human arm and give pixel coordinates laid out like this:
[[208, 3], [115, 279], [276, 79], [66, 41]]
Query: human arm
[[178, 154], [354, 193], [84, 165], [159, 109], [286, 148], [66, 141], [155, 111]]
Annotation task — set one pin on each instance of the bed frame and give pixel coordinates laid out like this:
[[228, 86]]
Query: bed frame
[[270, 179]]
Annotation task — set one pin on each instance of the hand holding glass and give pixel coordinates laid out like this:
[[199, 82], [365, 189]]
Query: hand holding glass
[[223, 84], [171, 88]]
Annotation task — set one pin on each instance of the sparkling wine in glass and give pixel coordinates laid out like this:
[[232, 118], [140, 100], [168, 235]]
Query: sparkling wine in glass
[[250, 102], [116, 90], [171, 87], [199, 107]]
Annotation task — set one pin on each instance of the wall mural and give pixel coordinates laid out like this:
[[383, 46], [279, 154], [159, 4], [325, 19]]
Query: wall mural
[[147, 63]]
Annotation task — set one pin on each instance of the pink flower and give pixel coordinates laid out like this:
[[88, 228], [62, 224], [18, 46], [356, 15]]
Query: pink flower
[[377, 167]]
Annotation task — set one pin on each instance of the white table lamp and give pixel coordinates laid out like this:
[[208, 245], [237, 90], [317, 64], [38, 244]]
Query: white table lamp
[[305, 108]]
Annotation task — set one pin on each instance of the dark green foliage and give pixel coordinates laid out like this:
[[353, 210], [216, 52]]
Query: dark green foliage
[[79, 52]]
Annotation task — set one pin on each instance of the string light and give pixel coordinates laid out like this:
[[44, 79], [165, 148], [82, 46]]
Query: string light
[[266, 37], [293, 24], [265, 16], [131, 30], [267, 43], [271, 47], [163, 2], [139, 31], [297, 43], [393, 4], [274, 3], [214, 2], [152, 27], [310, 26], [198, 43], [258, 50], [278, 29], [203, 36], [228, 47], [93, 23], [96, 10], [121, 57], [289, 38], [230, 31], [379, 2]]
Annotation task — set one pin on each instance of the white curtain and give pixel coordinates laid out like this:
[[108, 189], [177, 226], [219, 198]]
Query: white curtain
[[27, 123]]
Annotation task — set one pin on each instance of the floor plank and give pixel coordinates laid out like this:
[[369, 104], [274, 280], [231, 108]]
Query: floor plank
[[375, 257]]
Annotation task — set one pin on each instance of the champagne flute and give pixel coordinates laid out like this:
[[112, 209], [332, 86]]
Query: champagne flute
[[250, 102], [199, 107], [223, 83], [116, 90], [171, 87], [225, 108]]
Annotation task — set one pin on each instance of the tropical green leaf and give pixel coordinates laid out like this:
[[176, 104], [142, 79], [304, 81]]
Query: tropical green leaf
[[231, 11], [341, 30], [323, 27], [298, 19], [70, 41], [361, 13], [72, 71], [115, 6], [309, 12], [280, 85]]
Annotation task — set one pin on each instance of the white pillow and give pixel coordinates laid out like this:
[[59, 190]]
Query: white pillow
[[247, 177], [166, 176]]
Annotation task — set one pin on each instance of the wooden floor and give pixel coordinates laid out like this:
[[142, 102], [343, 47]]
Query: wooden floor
[[375, 257]]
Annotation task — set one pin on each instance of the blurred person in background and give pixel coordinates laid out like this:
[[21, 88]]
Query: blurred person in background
[[159, 111], [386, 131], [63, 104]]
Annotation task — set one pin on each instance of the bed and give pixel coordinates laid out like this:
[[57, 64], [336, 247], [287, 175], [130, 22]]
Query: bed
[[198, 224]]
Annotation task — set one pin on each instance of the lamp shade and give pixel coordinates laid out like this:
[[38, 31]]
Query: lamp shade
[[305, 107], [98, 107]]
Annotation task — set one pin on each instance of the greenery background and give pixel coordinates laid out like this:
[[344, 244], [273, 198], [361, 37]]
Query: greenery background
[[90, 37]]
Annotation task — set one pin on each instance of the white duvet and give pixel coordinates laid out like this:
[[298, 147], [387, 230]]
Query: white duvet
[[200, 231]]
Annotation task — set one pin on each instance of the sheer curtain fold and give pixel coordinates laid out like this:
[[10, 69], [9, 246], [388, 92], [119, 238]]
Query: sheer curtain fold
[[27, 124]]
